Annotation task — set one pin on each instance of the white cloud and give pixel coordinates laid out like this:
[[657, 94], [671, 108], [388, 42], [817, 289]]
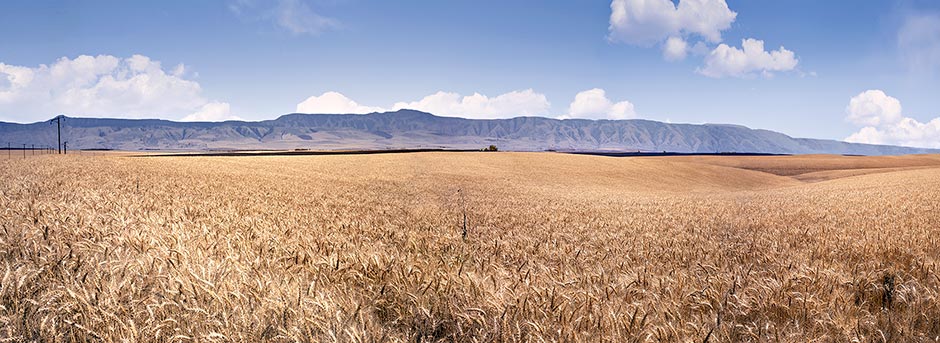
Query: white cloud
[[689, 27], [294, 16], [885, 124], [645, 22], [213, 111], [675, 49], [919, 43], [513, 104], [726, 61], [873, 108], [334, 103], [102, 85], [594, 104]]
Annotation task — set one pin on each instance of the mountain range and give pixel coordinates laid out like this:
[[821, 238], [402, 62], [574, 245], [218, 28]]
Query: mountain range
[[408, 129]]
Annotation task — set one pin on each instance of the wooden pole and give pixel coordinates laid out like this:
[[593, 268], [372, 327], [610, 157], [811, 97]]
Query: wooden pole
[[58, 124]]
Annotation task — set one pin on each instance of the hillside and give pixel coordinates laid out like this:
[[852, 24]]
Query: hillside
[[413, 129]]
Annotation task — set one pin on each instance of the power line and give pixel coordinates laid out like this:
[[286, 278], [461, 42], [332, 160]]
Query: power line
[[58, 122]]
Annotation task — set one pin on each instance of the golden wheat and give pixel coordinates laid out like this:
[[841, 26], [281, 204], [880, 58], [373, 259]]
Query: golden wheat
[[555, 248]]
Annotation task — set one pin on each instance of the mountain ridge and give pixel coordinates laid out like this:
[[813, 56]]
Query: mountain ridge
[[416, 129]]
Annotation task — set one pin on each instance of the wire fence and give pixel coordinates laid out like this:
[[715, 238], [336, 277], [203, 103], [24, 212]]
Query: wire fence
[[12, 151]]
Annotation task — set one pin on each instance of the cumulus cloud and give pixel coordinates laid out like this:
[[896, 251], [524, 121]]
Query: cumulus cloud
[[516, 103], [594, 104], [884, 123], [675, 49], [919, 43], [294, 16], [873, 108], [102, 85], [645, 22], [336, 103], [726, 60]]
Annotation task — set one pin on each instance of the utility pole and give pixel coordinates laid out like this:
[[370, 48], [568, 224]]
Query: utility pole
[[33, 148], [58, 122], [65, 147]]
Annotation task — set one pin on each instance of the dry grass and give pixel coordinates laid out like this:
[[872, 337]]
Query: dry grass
[[557, 248]]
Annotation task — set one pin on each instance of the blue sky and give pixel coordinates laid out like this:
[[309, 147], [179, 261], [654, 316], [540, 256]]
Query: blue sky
[[260, 59]]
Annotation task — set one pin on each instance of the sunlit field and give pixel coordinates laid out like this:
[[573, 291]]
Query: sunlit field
[[470, 247]]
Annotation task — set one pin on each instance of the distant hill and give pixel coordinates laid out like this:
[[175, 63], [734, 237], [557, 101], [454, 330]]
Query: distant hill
[[414, 129]]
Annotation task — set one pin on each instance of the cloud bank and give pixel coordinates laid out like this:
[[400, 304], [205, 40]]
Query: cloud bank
[[513, 104], [592, 104], [103, 85], [883, 122]]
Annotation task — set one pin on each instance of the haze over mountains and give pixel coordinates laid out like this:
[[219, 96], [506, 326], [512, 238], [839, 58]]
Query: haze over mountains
[[408, 129]]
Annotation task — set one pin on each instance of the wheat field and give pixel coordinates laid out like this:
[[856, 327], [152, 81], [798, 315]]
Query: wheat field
[[470, 247]]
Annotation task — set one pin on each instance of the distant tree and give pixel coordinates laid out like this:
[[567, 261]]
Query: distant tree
[[491, 148]]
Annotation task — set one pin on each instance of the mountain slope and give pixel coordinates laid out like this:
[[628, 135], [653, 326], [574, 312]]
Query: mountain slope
[[413, 129]]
